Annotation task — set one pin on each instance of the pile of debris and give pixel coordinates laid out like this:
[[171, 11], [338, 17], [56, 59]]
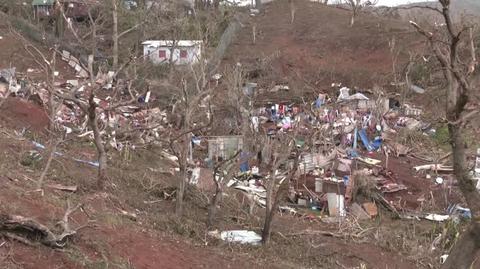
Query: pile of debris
[[339, 175], [131, 118], [75, 64]]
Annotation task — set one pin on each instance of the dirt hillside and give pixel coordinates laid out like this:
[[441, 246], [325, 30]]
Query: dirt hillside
[[319, 48]]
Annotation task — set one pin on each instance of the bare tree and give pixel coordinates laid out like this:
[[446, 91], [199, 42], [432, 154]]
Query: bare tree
[[48, 66], [222, 173], [194, 109], [115, 34], [356, 6], [87, 102], [458, 67], [276, 155], [292, 11], [140, 18], [258, 4]]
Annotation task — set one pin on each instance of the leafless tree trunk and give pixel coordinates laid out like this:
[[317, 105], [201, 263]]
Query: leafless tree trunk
[[258, 4], [277, 153], [463, 253], [408, 83], [115, 34], [212, 208], [224, 171], [459, 92], [52, 145], [59, 20], [91, 58], [273, 198], [102, 154], [49, 68], [352, 18], [356, 6], [292, 11], [190, 100], [183, 163]]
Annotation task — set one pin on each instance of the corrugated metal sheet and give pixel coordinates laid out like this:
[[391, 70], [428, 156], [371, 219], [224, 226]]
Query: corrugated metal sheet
[[224, 146]]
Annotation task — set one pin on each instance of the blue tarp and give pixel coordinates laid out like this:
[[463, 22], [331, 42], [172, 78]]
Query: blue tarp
[[40, 146], [366, 142], [244, 156], [369, 145]]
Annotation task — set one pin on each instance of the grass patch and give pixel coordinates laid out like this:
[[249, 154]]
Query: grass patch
[[442, 136]]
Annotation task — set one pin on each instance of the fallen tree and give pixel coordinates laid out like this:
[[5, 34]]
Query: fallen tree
[[32, 232]]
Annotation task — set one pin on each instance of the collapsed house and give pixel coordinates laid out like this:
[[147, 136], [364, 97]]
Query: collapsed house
[[345, 173]]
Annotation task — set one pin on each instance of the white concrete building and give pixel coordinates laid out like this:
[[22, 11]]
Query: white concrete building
[[180, 52]]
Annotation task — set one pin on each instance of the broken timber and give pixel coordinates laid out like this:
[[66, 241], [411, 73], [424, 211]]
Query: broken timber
[[30, 231]]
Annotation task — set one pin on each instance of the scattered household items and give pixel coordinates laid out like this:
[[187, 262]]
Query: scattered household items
[[437, 217], [40, 146], [457, 210], [412, 111], [75, 64], [278, 88], [358, 138], [250, 184], [417, 89], [443, 258], [8, 82], [325, 179], [454, 211], [344, 94]]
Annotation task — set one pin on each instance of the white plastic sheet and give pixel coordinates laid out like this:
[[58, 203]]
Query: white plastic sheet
[[437, 217], [241, 236]]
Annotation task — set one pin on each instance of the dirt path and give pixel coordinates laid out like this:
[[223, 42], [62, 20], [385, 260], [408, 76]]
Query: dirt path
[[148, 251]]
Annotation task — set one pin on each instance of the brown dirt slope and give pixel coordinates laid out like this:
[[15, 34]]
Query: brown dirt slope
[[156, 239], [114, 241], [13, 53], [319, 47]]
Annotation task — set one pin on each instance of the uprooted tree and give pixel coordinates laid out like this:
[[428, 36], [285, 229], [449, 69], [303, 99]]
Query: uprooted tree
[[31, 232], [454, 48]]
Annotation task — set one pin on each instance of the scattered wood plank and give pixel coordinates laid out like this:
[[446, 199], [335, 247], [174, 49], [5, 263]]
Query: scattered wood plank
[[63, 188], [434, 167]]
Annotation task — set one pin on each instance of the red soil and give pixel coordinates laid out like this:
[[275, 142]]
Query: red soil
[[18, 113]]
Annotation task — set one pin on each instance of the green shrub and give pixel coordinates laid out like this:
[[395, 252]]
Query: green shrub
[[442, 136]]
